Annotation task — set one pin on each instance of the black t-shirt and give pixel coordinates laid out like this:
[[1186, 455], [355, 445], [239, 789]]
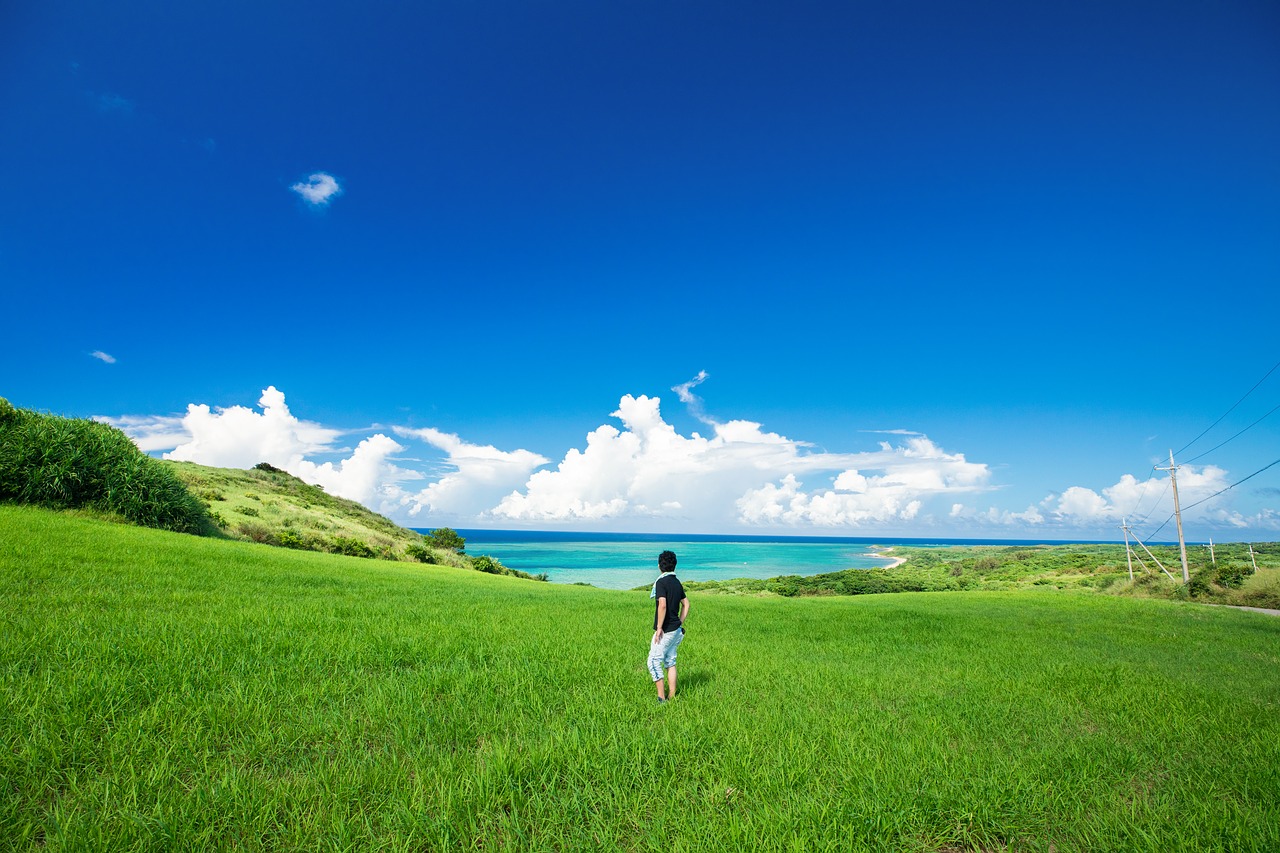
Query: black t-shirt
[[670, 588]]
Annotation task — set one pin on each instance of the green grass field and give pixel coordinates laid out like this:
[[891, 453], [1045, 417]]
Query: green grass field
[[167, 692]]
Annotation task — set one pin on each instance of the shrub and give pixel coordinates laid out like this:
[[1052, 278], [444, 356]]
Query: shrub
[[247, 510], [268, 467], [787, 586], [1232, 575], [259, 533], [290, 539], [1199, 586], [350, 546], [66, 463], [447, 538], [419, 552], [489, 565]]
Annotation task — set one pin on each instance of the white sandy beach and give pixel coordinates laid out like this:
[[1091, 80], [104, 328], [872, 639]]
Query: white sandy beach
[[883, 554]]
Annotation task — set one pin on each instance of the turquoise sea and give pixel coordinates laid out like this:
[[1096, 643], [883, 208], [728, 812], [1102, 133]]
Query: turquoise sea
[[629, 560]]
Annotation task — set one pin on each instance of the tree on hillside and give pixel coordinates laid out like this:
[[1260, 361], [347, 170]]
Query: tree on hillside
[[447, 537]]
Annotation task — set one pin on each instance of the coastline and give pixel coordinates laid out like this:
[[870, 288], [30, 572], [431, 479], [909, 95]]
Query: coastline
[[883, 554]]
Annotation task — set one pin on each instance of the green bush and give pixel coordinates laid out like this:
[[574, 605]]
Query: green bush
[[784, 586], [421, 553], [489, 565], [447, 538], [1199, 585], [1232, 575], [290, 539], [66, 463], [351, 547], [259, 533]]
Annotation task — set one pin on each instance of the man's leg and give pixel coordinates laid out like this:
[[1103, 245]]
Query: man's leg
[[671, 682], [655, 668]]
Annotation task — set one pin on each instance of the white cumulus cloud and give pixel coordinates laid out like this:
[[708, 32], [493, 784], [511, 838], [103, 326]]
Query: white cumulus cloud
[[478, 475], [367, 475], [1144, 503], [104, 357], [319, 189], [741, 474], [240, 437], [889, 485], [1079, 505]]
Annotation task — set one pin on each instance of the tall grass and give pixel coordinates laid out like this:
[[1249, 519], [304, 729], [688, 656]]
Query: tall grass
[[164, 692], [65, 463]]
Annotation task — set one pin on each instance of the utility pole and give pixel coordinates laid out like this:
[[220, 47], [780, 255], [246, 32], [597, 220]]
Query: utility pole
[[1253, 559], [1177, 511], [1128, 554], [1211, 554]]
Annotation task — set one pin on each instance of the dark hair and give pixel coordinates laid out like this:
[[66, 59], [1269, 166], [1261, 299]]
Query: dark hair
[[667, 561]]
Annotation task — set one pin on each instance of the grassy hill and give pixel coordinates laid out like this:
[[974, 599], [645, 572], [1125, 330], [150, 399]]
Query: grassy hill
[[1228, 576], [162, 691], [271, 507], [267, 505]]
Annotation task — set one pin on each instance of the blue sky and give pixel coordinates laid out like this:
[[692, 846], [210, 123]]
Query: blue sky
[[1030, 248]]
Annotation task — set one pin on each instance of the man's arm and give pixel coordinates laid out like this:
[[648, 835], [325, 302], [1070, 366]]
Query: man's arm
[[684, 610], [662, 614]]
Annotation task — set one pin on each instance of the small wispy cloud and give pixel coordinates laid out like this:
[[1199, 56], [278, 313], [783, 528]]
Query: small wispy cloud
[[318, 189], [109, 102], [685, 392], [103, 356], [150, 432]]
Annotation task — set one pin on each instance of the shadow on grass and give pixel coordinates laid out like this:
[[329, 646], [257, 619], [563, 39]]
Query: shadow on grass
[[693, 681]]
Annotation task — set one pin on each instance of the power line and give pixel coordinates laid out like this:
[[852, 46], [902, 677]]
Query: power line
[[1144, 518], [1228, 411], [1237, 435], [1145, 486], [1233, 485], [1212, 496], [1158, 529]]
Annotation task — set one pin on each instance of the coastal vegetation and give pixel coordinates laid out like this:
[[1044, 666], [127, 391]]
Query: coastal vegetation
[[272, 507], [267, 505], [91, 467], [160, 691], [76, 463], [1237, 574]]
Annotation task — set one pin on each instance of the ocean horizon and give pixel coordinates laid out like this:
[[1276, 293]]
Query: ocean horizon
[[629, 560]]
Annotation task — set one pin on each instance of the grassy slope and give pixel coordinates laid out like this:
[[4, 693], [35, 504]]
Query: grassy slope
[[1081, 568], [164, 691], [263, 505]]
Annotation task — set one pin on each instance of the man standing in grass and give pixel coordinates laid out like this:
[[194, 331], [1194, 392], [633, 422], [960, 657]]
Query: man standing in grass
[[672, 608]]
